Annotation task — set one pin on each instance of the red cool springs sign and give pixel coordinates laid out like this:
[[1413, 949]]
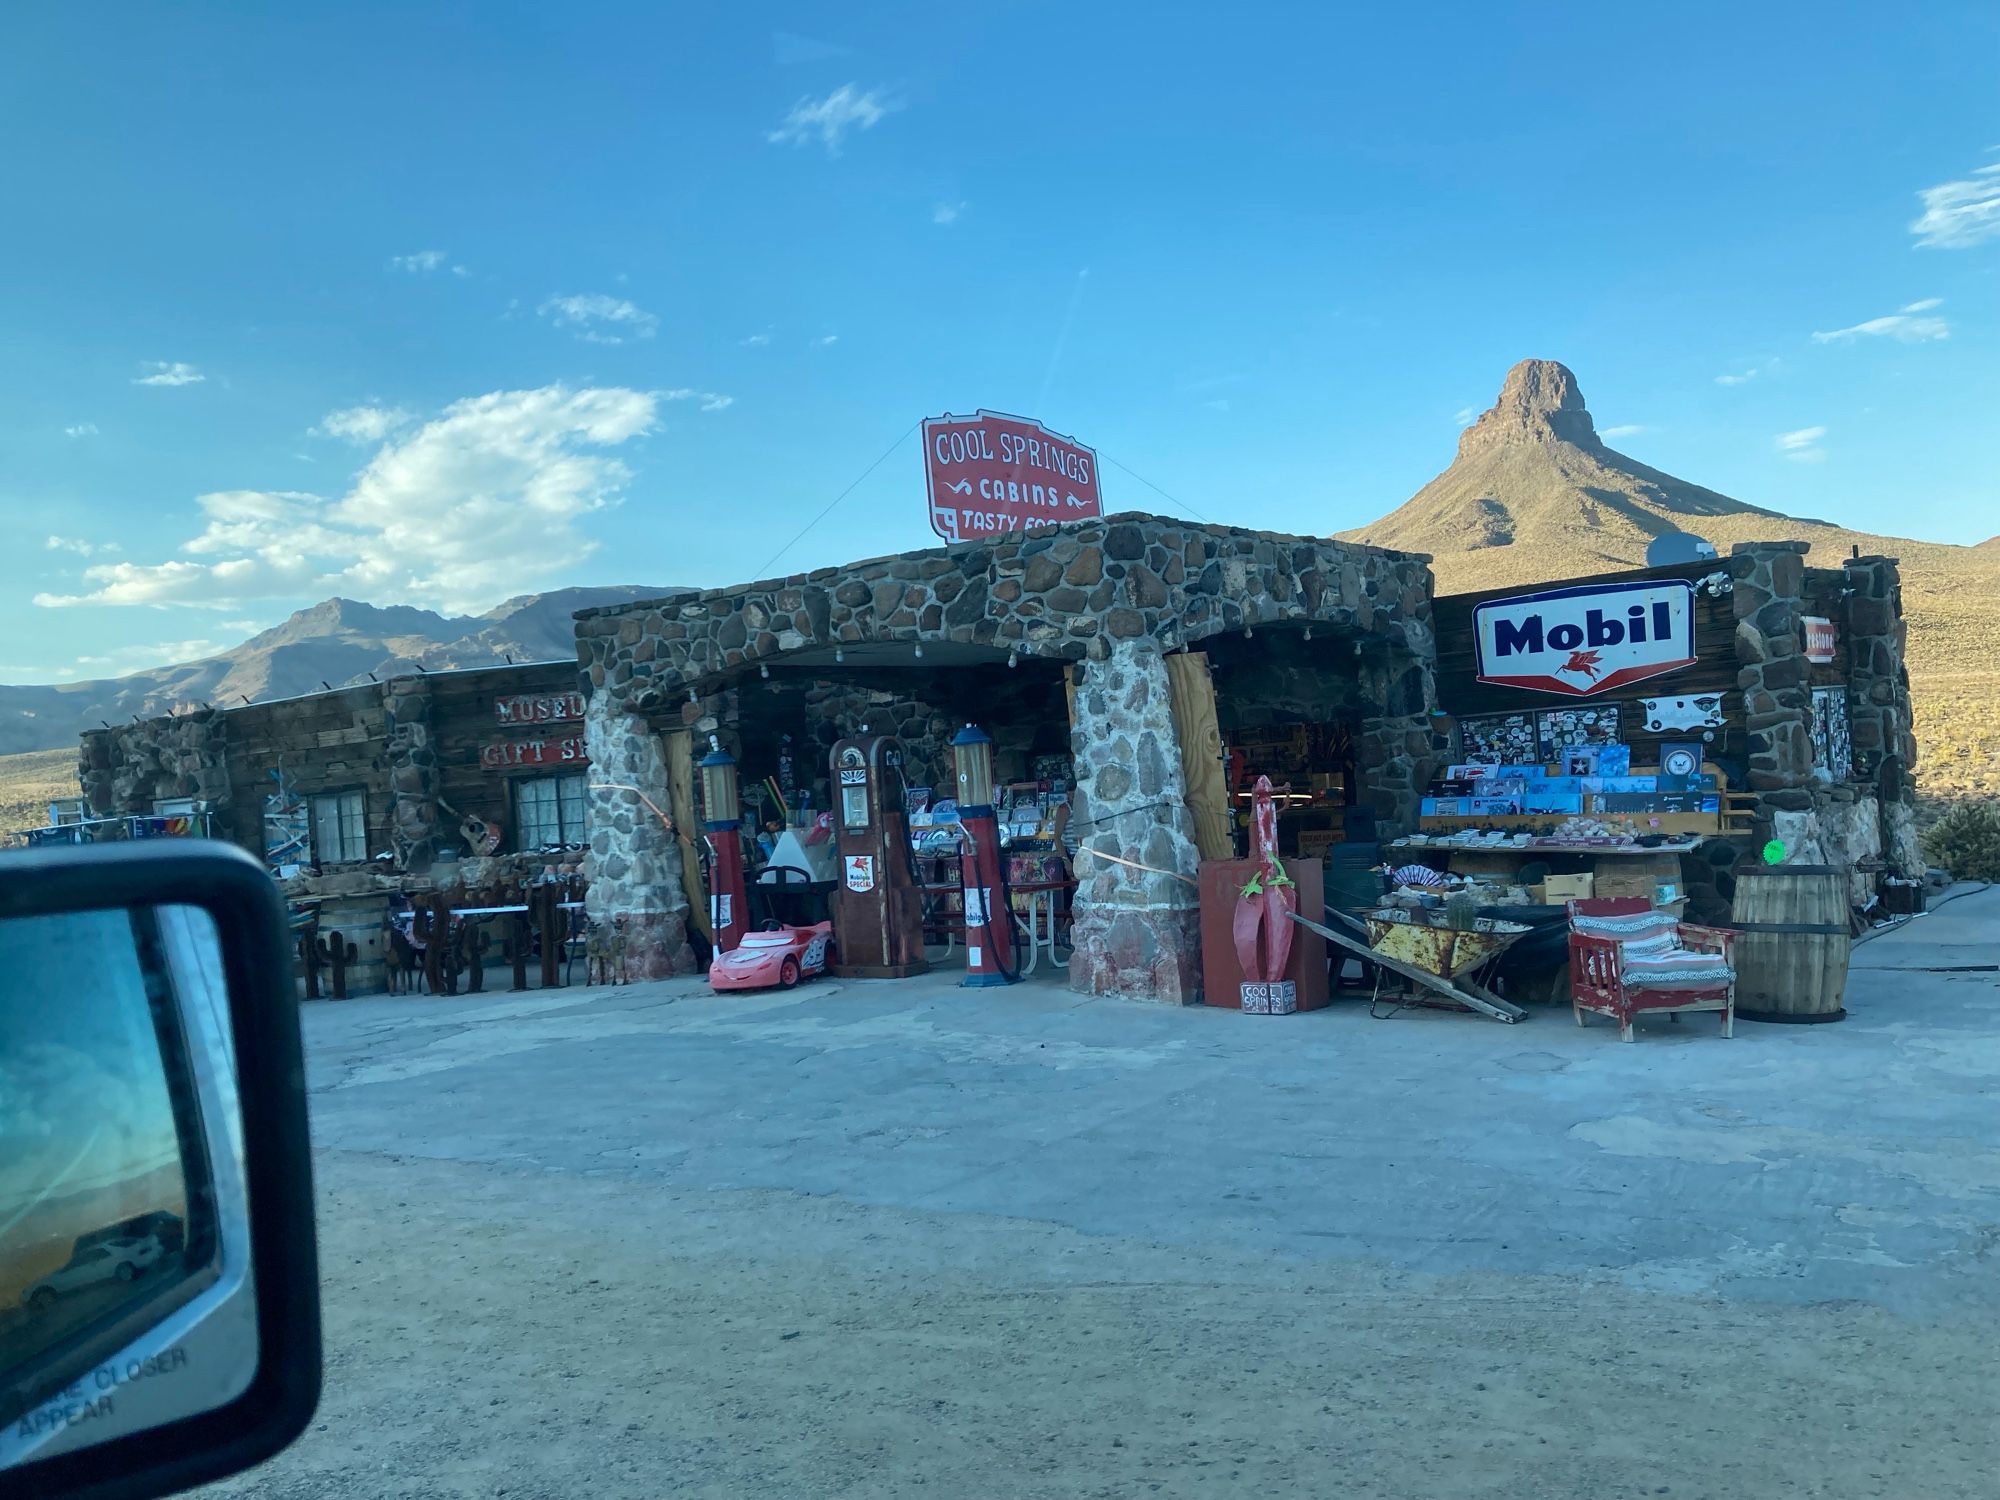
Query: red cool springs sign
[[1586, 640], [992, 473]]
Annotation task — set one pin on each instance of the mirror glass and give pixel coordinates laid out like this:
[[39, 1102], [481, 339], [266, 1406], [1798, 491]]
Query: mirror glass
[[113, 1054]]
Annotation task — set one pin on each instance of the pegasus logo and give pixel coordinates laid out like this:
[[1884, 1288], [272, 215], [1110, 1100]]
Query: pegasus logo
[[1584, 663]]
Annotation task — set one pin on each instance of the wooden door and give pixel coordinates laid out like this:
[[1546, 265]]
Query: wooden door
[[1191, 692], [679, 747]]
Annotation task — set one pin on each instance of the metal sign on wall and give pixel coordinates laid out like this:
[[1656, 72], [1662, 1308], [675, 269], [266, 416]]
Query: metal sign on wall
[[538, 708], [1586, 640], [1821, 638], [992, 473], [568, 749]]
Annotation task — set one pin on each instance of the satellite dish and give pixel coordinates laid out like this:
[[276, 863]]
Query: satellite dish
[[1677, 547]]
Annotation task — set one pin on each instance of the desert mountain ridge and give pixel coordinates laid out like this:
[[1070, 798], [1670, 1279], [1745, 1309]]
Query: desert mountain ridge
[[1536, 496], [336, 641]]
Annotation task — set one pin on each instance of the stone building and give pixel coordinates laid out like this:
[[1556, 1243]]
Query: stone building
[[1052, 640], [418, 768]]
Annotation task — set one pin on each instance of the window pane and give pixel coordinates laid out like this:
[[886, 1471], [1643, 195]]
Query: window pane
[[326, 829]]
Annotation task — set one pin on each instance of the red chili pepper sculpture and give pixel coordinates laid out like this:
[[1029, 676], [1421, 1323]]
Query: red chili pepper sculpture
[[1262, 927]]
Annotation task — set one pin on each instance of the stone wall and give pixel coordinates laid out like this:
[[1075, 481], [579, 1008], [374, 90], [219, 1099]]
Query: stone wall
[[412, 763], [1878, 703], [1872, 816], [128, 768], [1064, 594], [1137, 922]]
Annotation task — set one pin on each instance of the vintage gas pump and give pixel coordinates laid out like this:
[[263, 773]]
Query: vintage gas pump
[[989, 937], [729, 912], [878, 912]]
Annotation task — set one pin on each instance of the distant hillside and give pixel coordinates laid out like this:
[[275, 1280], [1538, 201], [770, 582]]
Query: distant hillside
[[336, 641], [1535, 495]]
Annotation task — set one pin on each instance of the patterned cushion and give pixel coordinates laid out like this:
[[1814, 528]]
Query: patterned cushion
[[1637, 926], [1675, 969]]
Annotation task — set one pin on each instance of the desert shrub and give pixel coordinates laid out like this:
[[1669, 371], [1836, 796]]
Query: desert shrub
[[1966, 841]]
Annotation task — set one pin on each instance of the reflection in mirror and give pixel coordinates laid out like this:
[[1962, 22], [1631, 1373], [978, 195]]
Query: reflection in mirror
[[106, 1207]]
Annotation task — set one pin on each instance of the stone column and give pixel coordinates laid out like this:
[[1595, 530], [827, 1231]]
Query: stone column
[[1393, 753], [635, 859], [1769, 593], [1878, 702], [1137, 919], [410, 756]]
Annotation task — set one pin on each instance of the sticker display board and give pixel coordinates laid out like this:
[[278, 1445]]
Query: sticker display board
[[1505, 739], [1561, 729], [1832, 738]]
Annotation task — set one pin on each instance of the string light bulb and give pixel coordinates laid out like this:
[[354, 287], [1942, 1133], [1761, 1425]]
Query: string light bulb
[[764, 670], [920, 650], [1013, 658]]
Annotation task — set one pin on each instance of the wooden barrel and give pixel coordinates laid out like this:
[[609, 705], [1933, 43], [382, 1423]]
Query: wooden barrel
[[358, 919], [1791, 943]]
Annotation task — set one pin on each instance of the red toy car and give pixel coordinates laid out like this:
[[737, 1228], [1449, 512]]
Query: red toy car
[[779, 956]]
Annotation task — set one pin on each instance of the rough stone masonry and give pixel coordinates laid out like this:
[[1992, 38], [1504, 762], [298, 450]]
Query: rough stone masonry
[[1109, 597]]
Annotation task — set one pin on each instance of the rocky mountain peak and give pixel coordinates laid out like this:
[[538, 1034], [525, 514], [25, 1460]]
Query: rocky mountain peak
[[1538, 403]]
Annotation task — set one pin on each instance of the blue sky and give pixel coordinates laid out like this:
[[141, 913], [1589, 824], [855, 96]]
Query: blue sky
[[438, 304]]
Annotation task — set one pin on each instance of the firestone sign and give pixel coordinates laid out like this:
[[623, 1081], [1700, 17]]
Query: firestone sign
[[1588, 640], [994, 473]]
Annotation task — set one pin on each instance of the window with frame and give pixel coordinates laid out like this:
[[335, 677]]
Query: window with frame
[[548, 810], [173, 807], [339, 827]]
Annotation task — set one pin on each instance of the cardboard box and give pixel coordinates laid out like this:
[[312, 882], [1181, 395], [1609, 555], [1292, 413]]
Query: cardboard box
[[1560, 888]]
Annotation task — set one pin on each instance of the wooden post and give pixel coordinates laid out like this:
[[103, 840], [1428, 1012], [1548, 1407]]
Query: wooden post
[[309, 957]]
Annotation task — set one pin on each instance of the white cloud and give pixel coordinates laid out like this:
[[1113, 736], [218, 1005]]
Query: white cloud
[[826, 340], [1749, 372], [1219, 403], [422, 263], [152, 654], [600, 319], [1958, 215], [1623, 430], [755, 341], [1909, 324], [79, 546], [1802, 445], [831, 118], [361, 424], [482, 501], [1466, 416], [461, 270], [947, 213], [81, 429], [706, 400], [168, 372]]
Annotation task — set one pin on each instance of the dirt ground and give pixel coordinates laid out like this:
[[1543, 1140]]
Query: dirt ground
[[527, 1334], [899, 1241]]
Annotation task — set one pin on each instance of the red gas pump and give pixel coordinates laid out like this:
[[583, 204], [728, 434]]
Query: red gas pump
[[989, 935], [728, 909]]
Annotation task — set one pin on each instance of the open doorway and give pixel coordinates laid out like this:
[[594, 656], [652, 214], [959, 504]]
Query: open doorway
[[1288, 705]]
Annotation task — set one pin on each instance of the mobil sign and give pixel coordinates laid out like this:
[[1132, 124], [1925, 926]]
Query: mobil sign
[[1585, 640], [990, 473]]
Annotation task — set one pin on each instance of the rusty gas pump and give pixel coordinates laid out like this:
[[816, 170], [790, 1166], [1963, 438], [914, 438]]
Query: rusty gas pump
[[878, 911]]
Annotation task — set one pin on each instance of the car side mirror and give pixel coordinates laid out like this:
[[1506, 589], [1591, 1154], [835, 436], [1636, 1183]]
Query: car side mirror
[[159, 1283]]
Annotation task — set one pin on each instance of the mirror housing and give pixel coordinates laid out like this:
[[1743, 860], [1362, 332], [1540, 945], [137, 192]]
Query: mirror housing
[[274, 1184]]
